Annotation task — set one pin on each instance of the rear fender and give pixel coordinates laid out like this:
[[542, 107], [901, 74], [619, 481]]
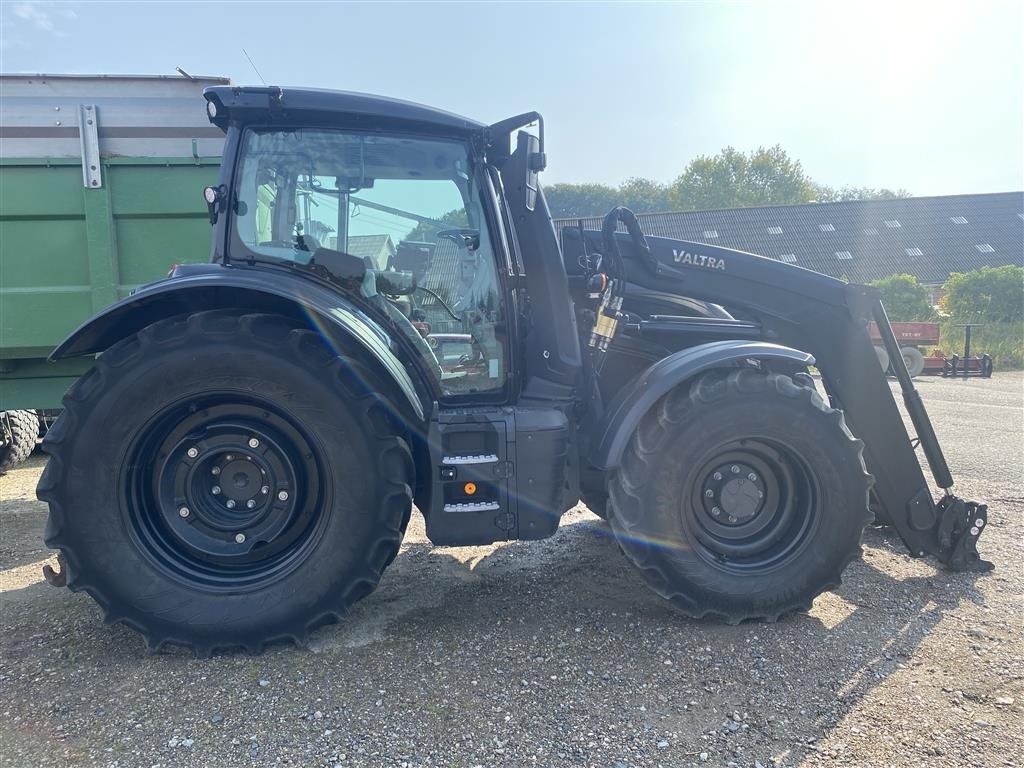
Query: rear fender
[[629, 406], [195, 288]]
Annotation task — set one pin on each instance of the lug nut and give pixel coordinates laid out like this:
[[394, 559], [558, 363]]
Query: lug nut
[[215, 490], [230, 503], [717, 475], [979, 523], [732, 518], [735, 470], [229, 457], [709, 494], [254, 443], [760, 494], [240, 538], [716, 511], [183, 512], [752, 477], [265, 489], [215, 471], [192, 452], [974, 531], [282, 495], [250, 503]]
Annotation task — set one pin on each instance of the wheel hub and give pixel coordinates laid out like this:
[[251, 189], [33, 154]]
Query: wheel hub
[[229, 484], [234, 490], [750, 505], [734, 493], [239, 478]]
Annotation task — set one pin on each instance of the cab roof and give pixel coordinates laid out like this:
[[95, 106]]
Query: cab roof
[[285, 104]]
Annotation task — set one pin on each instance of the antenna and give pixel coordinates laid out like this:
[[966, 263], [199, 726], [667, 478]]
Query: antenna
[[254, 67], [183, 73]]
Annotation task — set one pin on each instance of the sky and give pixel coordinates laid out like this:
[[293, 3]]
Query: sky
[[923, 96]]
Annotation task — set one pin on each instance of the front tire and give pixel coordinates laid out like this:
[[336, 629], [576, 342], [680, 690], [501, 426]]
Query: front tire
[[226, 481], [741, 496]]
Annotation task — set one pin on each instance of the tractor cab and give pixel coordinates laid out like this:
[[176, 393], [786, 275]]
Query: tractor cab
[[404, 221]]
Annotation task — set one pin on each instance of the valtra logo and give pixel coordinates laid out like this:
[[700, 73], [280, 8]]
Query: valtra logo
[[697, 260]]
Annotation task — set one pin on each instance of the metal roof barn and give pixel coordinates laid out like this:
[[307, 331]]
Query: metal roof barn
[[862, 240]]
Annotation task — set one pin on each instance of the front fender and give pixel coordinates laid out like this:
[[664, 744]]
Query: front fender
[[632, 402], [200, 287]]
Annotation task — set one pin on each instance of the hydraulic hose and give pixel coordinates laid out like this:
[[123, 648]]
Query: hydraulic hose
[[609, 311], [611, 246]]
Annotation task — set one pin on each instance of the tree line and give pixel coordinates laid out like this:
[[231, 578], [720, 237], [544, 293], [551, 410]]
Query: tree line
[[729, 179], [985, 295]]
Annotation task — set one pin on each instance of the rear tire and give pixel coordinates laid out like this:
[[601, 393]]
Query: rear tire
[[914, 359], [24, 434], [741, 496], [192, 413]]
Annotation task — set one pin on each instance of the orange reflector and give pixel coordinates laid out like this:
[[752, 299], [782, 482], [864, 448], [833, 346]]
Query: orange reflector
[[469, 488]]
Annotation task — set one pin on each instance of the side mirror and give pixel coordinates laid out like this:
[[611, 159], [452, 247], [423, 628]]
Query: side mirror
[[496, 137]]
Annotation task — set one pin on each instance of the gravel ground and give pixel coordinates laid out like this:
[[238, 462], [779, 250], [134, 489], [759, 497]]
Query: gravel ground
[[554, 654]]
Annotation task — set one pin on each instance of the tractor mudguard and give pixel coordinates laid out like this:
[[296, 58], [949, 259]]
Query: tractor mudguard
[[632, 402], [199, 287]]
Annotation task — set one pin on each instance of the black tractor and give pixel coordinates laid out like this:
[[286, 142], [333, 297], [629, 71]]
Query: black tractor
[[390, 318]]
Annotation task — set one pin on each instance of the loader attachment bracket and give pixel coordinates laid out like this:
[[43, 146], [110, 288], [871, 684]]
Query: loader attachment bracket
[[960, 524]]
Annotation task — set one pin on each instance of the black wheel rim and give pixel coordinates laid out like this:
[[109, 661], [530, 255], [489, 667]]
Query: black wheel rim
[[751, 506], [225, 493]]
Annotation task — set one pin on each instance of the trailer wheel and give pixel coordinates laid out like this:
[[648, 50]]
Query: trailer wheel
[[21, 432], [741, 496], [914, 359], [883, 358], [226, 481]]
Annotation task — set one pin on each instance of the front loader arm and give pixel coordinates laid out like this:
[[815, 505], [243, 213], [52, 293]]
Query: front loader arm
[[829, 319], [849, 367]]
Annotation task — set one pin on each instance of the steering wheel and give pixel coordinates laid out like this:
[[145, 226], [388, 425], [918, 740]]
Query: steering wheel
[[306, 242], [464, 237], [309, 241]]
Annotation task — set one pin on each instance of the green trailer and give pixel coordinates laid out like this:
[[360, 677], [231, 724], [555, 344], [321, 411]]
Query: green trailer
[[101, 181]]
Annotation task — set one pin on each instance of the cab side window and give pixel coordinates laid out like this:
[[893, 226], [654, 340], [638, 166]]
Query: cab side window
[[402, 205]]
